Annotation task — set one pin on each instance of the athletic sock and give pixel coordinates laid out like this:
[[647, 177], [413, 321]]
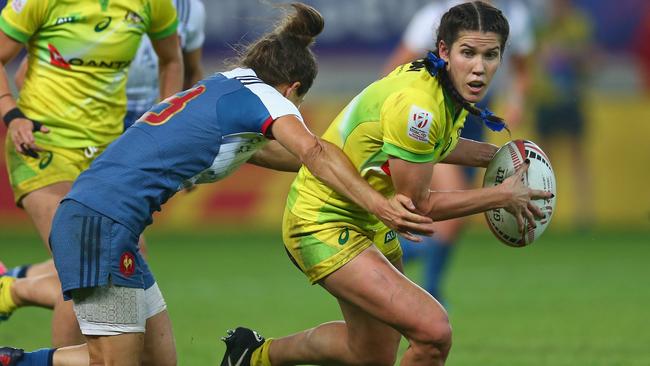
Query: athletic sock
[[41, 357], [413, 250], [19, 271], [437, 256], [7, 304], [260, 356]]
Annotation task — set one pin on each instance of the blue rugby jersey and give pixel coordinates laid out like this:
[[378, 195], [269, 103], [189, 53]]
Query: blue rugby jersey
[[200, 135]]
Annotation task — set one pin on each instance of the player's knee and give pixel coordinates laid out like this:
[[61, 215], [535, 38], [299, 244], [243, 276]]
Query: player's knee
[[433, 341]]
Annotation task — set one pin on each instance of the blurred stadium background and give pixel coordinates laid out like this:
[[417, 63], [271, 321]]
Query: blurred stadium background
[[578, 296]]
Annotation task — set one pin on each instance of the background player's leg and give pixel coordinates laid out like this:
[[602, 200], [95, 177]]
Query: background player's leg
[[117, 350], [159, 345], [41, 205]]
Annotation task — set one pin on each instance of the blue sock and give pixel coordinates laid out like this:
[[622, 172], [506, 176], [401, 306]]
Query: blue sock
[[412, 250], [437, 256], [18, 272], [41, 357]]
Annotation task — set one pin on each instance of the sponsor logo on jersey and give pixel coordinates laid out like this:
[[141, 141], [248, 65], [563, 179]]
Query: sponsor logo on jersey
[[133, 19], [127, 264], [419, 124], [18, 5], [65, 20], [390, 236], [344, 236], [117, 65], [56, 59], [103, 24]]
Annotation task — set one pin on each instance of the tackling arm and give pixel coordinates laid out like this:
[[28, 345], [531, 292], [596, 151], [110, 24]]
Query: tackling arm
[[275, 156]]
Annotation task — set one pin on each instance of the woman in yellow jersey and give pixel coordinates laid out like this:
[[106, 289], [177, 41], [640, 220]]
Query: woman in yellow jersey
[[73, 102], [394, 132]]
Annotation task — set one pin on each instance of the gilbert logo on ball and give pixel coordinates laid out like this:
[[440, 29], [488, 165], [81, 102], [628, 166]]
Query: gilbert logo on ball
[[539, 176]]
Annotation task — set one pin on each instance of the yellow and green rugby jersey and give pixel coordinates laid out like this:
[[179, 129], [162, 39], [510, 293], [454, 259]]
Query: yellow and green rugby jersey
[[79, 54], [404, 115]]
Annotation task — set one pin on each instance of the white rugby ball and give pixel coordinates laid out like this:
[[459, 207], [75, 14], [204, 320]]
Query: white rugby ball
[[539, 176]]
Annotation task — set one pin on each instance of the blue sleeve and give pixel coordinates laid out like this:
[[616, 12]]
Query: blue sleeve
[[242, 111]]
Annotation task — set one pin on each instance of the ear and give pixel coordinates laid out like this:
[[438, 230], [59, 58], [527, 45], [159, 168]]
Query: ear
[[444, 51], [292, 89]]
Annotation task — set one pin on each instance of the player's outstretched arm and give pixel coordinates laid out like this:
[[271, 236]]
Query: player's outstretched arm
[[412, 179], [329, 164]]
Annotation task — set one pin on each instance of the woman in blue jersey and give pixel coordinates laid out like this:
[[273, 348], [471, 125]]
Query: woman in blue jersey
[[198, 136], [72, 102], [395, 131]]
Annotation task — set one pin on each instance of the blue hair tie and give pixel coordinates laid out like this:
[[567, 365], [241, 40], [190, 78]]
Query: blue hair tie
[[494, 126], [435, 63]]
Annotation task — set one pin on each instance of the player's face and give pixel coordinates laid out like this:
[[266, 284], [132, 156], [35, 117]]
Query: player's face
[[472, 61]]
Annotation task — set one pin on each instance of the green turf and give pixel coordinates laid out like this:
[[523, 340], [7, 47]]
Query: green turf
[[570, 299]]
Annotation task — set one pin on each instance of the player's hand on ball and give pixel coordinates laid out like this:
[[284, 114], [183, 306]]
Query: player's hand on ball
[[528, 182], [519, 204]]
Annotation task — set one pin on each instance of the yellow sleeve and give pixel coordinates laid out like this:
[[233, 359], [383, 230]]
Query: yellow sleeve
[[20, 19], [163, 19], [410, 125]]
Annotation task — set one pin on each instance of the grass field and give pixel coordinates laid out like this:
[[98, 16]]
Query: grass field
[[570, 299]]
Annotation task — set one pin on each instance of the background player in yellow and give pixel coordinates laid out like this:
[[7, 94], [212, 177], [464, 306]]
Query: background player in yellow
[[73, 102], [394, 132]]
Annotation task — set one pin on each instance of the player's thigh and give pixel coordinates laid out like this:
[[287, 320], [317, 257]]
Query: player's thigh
[[368, 337], [113, 320], [41, 205], [372, 283], [116, 350], [159, 347]]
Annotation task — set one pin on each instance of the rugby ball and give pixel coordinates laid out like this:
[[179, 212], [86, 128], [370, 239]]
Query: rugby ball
[[539, 176]]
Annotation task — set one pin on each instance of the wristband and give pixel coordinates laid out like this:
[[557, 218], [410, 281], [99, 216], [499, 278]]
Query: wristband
[[17, 113], [12, 115]]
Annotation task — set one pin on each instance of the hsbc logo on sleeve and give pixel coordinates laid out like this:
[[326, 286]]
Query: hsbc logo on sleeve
[[419, 124]]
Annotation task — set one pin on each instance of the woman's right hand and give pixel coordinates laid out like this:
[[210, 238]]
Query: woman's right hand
[[521, 196], [400, 214], [21, 132]]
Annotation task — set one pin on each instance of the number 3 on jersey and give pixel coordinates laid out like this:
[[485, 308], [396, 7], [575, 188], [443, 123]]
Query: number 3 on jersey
[[166, 109]]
